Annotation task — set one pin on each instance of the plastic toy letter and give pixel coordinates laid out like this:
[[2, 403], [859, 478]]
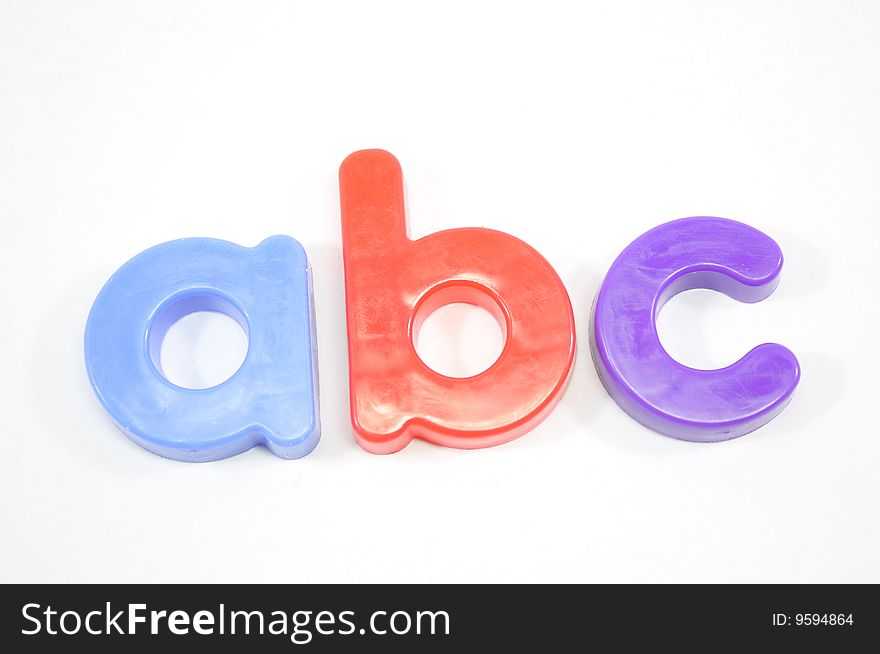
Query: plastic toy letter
[[659, 392], [271, 400], [392, 283]]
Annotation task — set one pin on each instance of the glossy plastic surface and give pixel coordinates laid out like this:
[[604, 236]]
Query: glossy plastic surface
[[659, 392], [392, 283], [273, 397]]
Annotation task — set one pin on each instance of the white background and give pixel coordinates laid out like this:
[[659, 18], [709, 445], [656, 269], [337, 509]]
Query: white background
[[575, 126]]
